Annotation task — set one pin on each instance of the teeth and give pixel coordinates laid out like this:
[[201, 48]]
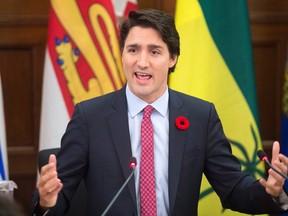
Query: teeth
[[142, 74]]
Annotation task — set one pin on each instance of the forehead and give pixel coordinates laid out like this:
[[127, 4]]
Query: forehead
[[143, 35]]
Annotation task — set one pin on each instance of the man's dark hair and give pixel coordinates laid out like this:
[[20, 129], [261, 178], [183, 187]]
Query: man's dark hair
[[158, 20]]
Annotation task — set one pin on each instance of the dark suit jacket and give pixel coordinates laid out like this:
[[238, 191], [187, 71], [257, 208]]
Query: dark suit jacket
[[96, 147]]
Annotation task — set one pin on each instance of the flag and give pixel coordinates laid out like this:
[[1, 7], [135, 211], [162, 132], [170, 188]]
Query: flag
[[82, 61], [216, 64], [123, 7], [284, 119], [3, 147]]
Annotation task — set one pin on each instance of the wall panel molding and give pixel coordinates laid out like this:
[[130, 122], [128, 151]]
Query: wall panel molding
[[269, 72], [25, 20], [268, 17]]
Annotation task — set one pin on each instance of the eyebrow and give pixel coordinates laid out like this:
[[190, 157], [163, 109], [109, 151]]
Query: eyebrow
[[154, 46], [150, 46]]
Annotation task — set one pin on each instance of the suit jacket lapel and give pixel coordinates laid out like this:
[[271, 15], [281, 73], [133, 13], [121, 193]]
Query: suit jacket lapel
[[177, 140], [118, 123]]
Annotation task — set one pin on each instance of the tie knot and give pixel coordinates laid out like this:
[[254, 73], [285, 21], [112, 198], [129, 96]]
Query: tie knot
[[148, 110]]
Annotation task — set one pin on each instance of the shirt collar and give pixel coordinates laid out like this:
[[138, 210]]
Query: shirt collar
[[136, 104]]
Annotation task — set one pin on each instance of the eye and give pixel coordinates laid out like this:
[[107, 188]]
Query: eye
[[132, 50], [155, 52]]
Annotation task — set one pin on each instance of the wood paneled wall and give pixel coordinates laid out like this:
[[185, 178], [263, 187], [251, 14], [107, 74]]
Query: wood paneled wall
[[269, 28], [23, 32]]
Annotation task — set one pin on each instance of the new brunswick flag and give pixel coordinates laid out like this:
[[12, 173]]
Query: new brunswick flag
[[216, 65], [82, 60]]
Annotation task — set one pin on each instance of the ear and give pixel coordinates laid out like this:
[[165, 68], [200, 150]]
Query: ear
[[173, 61]]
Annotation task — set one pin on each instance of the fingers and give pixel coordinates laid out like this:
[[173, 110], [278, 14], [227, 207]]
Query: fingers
[[49, 200], [279, 161], [275, 151], [283, 159], [48, 172], [51, 166], [275, 186], [274, 183], [263, 182], [49, 185], [52, 159]]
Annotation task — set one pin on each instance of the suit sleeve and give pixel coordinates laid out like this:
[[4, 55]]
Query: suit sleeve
[[237, 190], [71, 162]]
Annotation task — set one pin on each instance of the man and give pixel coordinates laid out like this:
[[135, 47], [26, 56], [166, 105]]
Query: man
[[188, 140]]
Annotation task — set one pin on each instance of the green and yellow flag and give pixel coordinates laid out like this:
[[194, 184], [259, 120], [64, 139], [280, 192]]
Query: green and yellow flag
[[216, 65]]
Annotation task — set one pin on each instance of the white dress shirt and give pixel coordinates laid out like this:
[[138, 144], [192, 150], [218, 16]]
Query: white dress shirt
[[160, 121]]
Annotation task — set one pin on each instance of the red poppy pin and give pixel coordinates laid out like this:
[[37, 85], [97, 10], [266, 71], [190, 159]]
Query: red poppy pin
[[182, 123]]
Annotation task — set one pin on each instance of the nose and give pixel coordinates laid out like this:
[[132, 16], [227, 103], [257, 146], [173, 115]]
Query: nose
[[143, 60]]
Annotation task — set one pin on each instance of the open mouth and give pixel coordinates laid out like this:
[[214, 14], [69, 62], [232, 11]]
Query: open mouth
[[143, 76]]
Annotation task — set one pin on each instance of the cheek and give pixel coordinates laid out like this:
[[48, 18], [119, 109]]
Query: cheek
[[127, 63], [162, 66], [162, 76]]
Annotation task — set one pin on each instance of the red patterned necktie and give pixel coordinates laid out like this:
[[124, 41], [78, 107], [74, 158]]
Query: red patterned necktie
[[147, 179]]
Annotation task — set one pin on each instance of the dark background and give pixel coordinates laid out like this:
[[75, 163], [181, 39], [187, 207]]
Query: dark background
[[23, 35]]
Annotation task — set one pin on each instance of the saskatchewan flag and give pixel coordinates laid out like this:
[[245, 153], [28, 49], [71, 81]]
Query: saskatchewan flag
[[216, 65]]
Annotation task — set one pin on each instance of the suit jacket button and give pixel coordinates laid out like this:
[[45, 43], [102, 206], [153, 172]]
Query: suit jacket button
[[134, 214]]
